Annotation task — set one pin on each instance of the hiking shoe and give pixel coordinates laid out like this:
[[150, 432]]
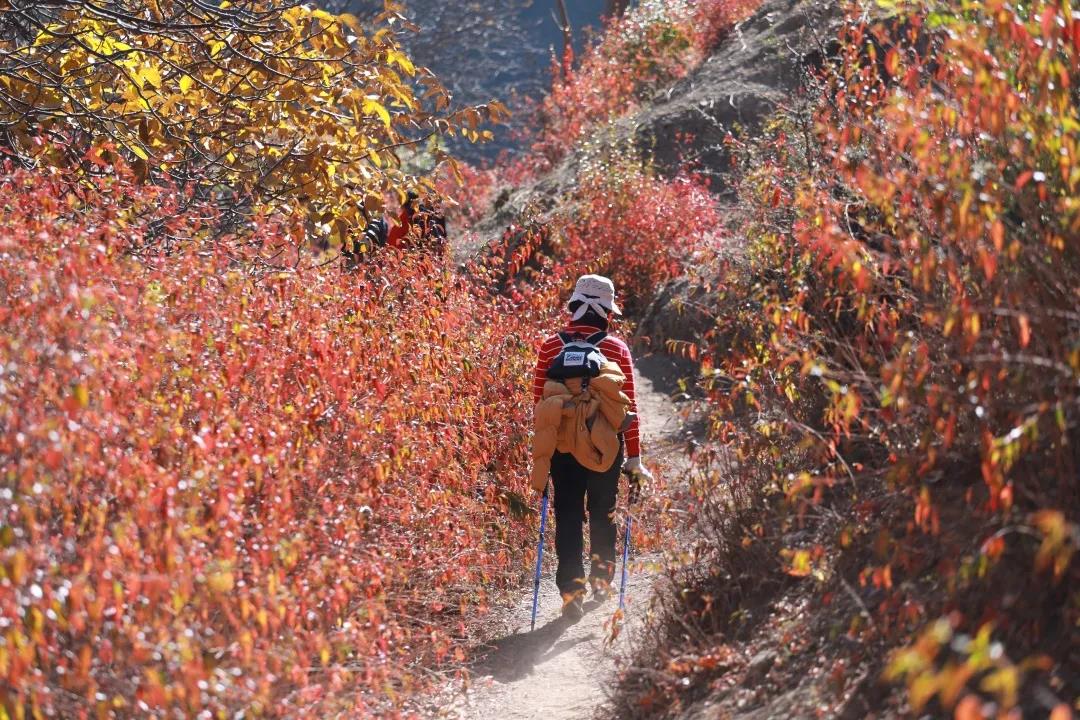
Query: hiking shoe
[[601, 589], [573, 607]]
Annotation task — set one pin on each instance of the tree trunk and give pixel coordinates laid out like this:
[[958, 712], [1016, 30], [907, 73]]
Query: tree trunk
[[568, 37], [615, 8]]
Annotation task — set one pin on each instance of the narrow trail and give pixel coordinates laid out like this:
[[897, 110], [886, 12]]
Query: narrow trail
[[561, 671]]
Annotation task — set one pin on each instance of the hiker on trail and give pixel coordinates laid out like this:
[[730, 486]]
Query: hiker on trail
[[585, 342]]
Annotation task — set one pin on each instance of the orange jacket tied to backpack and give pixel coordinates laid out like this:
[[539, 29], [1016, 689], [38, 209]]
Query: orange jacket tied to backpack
[[583, 421]]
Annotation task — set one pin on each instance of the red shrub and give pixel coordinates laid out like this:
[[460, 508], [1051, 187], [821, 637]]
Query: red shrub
[[468, 193], [712, 20], [639, 229], [636, 228], [276, 491]]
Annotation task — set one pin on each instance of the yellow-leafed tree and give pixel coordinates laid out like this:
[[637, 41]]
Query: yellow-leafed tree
[[257, 104]]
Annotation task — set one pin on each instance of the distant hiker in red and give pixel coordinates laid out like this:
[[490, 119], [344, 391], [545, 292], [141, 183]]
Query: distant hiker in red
[[576, 487], [420, 225]]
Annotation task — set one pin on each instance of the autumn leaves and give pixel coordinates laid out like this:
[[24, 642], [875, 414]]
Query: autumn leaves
[[265, 107]]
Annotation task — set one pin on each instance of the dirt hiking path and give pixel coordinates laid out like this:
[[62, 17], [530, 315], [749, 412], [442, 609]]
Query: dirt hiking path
[[561, 671]]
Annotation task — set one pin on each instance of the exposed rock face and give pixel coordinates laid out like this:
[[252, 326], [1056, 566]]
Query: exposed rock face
[[681, 311], [754, 69]]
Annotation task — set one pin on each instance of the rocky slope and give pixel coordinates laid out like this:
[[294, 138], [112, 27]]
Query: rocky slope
[[756, 68], [752, 73]]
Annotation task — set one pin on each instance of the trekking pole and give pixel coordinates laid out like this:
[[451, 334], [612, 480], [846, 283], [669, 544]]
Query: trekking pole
[[539, 557], [625, 557], [632, 498]]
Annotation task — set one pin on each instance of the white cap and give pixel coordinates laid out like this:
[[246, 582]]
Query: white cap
[[596, 292]]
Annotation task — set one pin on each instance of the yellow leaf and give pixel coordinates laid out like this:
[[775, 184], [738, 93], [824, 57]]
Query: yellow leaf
[[186, 83], [35, 620], [148, 74], [221, 582], [800, 562], [351, 20], [395, 57], [139, 152], [373, 107], [47, 35]]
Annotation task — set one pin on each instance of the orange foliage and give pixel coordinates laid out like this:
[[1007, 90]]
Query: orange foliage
[[909, 321], [228, 488], [238, 481]]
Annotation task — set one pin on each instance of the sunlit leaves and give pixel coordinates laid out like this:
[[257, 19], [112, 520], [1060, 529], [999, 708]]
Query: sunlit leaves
[[942, 663], [280, 105], [906, 324], [1060, 541], [232, 491]]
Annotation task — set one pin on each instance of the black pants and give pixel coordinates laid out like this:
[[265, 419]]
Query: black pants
[[576, 488]]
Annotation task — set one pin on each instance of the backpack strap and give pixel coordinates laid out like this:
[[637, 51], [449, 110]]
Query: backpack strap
[[595, 339]]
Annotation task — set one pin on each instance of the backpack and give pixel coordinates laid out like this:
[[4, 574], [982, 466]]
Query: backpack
[[579, 357], [375, 233], [355, 249], [432, 225]]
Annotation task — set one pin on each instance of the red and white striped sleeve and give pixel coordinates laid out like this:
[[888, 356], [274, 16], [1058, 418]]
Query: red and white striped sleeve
[[616, 349], [549, 350]]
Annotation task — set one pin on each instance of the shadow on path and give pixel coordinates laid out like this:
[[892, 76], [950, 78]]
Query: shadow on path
[[515, 656], [666, 372], [672, 379]]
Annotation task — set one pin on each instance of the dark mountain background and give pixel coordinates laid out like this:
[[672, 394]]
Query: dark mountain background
[[489, 49]]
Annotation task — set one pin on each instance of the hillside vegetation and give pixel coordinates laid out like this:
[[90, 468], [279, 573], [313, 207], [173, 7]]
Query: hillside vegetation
[[241, 482], [890, 498]]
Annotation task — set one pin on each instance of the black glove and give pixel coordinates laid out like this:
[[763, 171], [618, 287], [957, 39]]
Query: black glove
[[634, 487]]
